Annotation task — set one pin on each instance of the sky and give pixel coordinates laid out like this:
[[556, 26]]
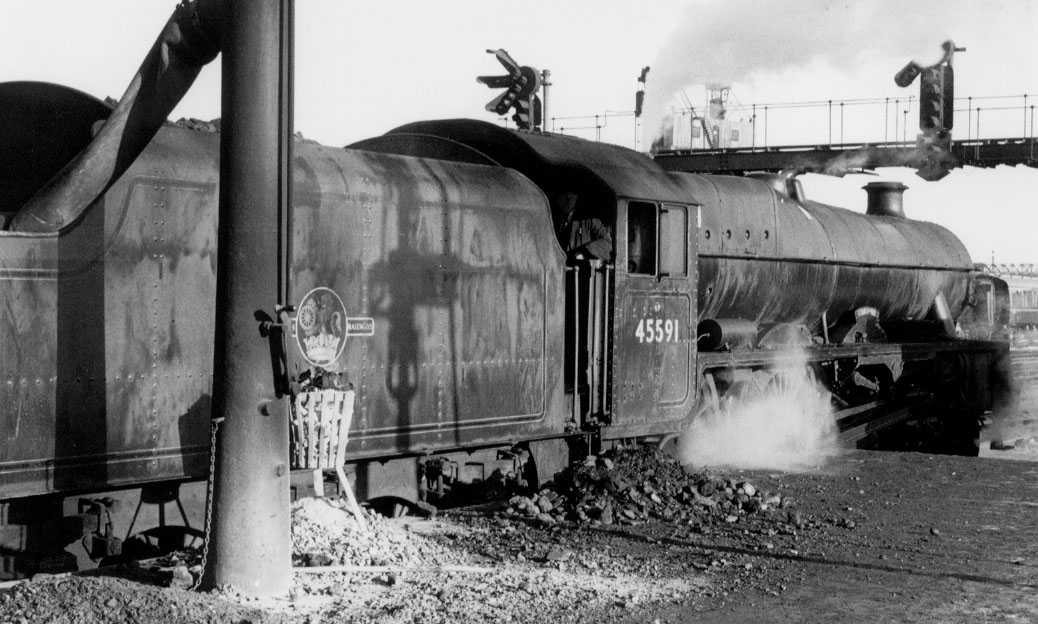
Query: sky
[[363, 68]]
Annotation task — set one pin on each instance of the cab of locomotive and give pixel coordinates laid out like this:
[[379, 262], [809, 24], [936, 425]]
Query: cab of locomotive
[[627, 229]]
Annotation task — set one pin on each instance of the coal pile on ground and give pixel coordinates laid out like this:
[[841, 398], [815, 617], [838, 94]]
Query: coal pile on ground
[[611, 539], [875, 536], [324, 532], [633, 486]]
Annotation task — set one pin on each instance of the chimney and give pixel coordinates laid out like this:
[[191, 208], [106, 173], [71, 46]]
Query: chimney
[[885, 199]]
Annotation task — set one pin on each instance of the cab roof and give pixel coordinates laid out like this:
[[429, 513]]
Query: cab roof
[[552, 161]]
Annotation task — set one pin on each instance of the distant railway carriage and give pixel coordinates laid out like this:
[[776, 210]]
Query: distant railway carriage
[[1022, 286]]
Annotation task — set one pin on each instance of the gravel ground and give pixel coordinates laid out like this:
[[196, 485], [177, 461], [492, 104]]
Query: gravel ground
[[85, 599], [935, 539], [324, 533], [582, 546], [1013, 434], [869, 537]]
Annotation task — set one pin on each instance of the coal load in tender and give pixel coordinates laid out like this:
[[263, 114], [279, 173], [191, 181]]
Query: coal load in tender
[[635, 485]]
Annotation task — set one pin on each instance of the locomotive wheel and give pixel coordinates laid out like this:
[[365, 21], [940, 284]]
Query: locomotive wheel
[[162, 540], [399, 507], [713, 406], [800, 384], [709, 404]]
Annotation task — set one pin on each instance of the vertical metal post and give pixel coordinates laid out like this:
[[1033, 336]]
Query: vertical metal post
[[976, 148], [897, 122], [545, 84], [969, 117], [594, 360], [250, 534], [608, 270], [841, 123], [577, 415], [753, 142], [886, 118], [286, 133], [765, 127], [1025, 114], [1031, 136], [830, 122]]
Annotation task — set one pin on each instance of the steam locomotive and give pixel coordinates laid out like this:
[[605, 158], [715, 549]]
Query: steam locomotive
[[519, 288]]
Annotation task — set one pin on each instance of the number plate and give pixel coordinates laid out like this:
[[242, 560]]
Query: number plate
[[658, 330]]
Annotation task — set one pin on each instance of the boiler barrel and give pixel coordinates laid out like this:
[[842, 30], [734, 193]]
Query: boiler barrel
[[767, 258]]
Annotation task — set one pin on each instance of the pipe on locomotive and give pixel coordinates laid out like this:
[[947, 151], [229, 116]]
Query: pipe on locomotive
[[190, 39]]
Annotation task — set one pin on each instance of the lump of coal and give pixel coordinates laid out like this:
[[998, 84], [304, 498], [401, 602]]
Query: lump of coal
[[633, 485]]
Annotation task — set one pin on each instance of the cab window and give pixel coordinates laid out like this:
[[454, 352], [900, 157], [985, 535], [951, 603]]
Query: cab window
[[641, 238], [657, 239], [673, 247]]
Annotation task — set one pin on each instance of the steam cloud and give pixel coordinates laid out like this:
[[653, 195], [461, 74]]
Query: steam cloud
[[784, 426], [725, 42]]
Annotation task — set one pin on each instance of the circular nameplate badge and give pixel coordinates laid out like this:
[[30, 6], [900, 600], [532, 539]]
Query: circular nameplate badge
[[322, 326]]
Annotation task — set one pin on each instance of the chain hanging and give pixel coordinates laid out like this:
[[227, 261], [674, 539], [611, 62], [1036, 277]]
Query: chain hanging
[[214, 428]]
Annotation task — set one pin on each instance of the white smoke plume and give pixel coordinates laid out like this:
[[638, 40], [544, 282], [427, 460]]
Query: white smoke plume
[[783, 424], [739, 41]]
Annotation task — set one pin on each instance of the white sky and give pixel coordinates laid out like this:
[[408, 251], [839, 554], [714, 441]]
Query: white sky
[[366, 67]]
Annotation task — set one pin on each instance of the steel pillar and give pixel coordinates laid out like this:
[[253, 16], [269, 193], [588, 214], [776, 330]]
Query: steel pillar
[[250, 547]]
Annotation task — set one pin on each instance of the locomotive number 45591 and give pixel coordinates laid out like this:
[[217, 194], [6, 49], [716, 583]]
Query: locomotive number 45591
[[657, 330]]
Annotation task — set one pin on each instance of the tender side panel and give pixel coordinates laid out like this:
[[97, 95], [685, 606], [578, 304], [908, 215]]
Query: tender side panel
[[458, 267], [28, 344], [110, 325], [159, 315]]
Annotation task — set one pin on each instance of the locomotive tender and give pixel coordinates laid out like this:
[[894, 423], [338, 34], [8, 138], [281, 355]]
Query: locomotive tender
[[526, 288]]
